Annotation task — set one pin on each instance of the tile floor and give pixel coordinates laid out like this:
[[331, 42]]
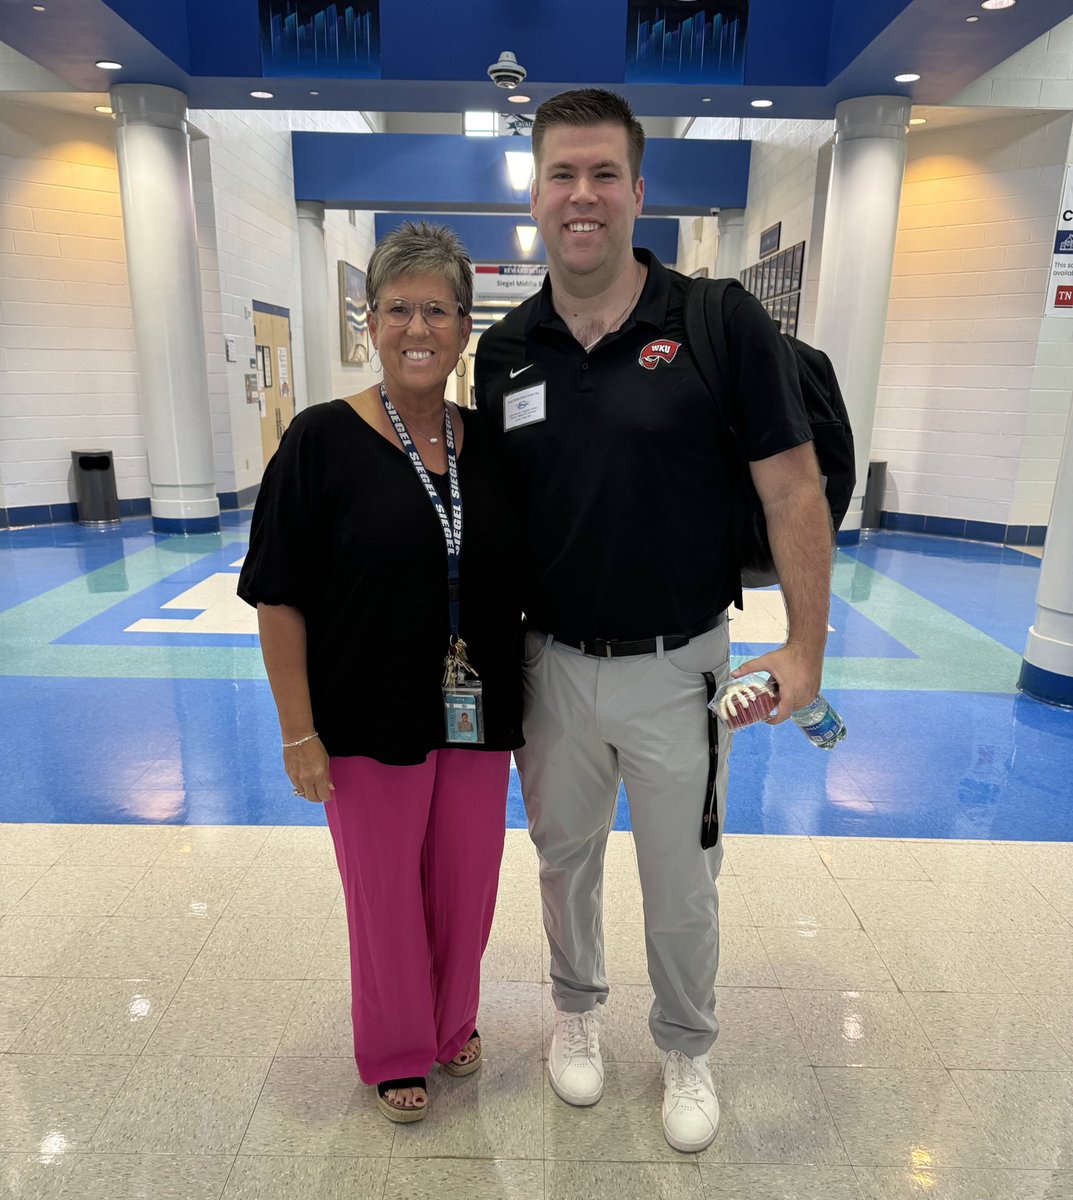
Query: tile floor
[[174, 1025]]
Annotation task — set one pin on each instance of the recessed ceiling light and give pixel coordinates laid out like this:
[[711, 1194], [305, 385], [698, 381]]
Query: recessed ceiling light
[[105, 65], [314, 93], [992, 5], [102, 108], [261, 95], [518, 99], [972, 19], [918, 120], [705, 99], [761, 103], [39, 8], [908, 77]]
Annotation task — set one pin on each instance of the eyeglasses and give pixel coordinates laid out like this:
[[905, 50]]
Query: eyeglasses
[[437, 314]]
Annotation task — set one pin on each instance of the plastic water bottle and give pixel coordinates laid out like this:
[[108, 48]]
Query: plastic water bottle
[[820, 723]]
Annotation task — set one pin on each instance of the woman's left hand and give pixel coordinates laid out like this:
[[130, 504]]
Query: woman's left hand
[[308, 769]]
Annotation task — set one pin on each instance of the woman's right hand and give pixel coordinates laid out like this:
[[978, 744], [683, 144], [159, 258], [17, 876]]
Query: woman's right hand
[[308, 769]]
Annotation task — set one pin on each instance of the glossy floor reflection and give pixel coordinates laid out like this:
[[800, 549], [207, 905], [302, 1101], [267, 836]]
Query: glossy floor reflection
[[133, 691], [174, 1024]]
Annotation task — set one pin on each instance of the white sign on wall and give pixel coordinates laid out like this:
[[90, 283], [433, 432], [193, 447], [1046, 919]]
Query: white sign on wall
[[1060, 284], [507, 281]]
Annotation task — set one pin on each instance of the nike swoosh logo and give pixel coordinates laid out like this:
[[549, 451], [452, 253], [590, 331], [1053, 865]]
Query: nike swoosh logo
[[515, 373]]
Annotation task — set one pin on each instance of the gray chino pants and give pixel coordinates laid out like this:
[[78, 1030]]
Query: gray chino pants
[[588, 723]]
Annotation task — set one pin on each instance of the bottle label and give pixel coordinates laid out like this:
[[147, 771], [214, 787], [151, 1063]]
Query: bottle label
[[826, 729]]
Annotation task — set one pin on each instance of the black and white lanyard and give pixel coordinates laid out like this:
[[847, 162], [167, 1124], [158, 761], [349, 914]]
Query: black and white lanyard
[[451, 524]]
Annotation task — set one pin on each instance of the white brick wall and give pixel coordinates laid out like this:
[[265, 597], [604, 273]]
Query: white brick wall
[[68, 376], [975, 384], [68, 373], [1039, 76], [782, 184]]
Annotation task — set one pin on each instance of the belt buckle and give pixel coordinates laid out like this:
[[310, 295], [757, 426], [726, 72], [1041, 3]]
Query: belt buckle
[[607, 645]]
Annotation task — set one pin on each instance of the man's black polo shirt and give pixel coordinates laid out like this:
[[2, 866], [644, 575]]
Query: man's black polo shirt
[[623, 486]]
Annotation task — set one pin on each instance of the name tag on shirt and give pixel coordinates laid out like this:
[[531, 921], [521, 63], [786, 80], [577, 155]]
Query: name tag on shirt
[[523, 407]]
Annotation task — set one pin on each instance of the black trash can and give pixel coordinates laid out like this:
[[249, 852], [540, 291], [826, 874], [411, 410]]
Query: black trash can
[[874, 490], [95, 490]]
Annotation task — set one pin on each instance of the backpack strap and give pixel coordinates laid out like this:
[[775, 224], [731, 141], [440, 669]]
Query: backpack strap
[[705, 324]]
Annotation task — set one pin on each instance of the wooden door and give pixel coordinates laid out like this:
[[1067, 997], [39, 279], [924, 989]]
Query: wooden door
[[272, 333]]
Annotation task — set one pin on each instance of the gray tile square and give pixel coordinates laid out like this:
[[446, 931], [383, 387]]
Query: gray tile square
[[226, 1017], [331, 955], [275, 1177], [743, 960], [772, 1114], [797, 903], [34, 1176], [318, 1106], [56, 1101], [982, 1032], [826, 959], [1056, 1013], [182, 1104], [214, 846], [1028, 1115], [776, 857], [953, 1183], [271, 892], [43, 945], [868, 858], [20, 999], [258, 948], [97, 1016], [860, 1029], [36, 845], [730, 1181], [565, 1180], [297, 847], [1013, 905], [78, 891], [884, 1117], [1033, 962], [320, 1024], [459, 1179], [119, 845], [15, 882], [939, 962], [148, 1176], [967, 862], [187, 890], [149, 948], [901, 904]]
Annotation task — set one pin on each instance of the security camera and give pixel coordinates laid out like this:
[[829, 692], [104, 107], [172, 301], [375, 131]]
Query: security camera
[[508, 72]]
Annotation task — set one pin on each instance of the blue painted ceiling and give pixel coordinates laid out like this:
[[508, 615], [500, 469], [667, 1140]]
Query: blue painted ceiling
[[806, 56]]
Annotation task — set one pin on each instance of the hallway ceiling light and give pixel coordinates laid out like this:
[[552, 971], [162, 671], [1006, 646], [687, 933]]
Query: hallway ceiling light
[[314, 93], [105, 65], [993, 5], [761, 103], [918, 120], [262, 95], [519, 168], [908, 77], [518, 99], [972, 19], [705, 99], [39, 8], [526, 235], [103, 108]]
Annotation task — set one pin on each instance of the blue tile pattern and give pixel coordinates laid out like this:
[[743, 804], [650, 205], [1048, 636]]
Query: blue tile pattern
[[103, 725]]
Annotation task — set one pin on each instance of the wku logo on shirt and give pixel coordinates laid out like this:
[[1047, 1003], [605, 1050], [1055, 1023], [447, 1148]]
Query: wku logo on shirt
[[656, 352]]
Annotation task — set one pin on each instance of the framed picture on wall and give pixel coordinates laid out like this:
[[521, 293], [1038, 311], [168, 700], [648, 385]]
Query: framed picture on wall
[[799, 260], [353, 316]]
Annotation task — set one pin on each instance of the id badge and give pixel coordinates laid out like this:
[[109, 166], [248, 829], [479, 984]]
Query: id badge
[[463, 713]]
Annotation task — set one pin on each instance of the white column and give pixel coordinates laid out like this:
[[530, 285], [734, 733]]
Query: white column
[[730, 251], [316, 326], [156, 187], [1047, 670], [867, 164]]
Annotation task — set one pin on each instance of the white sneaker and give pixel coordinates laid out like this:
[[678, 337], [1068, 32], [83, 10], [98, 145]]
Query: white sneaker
[[575, 1067], [690, 1105]]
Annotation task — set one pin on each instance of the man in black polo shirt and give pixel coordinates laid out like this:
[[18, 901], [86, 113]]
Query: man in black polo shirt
[[611, 439]]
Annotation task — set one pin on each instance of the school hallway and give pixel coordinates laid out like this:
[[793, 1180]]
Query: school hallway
[[896, 986]]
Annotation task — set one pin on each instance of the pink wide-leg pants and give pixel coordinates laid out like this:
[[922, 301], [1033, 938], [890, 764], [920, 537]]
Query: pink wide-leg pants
[[419, 850]]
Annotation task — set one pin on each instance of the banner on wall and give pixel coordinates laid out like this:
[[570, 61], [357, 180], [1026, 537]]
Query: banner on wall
[[1060, 284], [507, 282]]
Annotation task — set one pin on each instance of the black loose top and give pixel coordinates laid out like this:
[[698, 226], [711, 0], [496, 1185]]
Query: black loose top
[[344, 530], [625, 486]]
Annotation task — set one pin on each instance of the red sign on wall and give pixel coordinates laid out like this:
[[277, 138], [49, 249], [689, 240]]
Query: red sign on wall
[[1063, 297]]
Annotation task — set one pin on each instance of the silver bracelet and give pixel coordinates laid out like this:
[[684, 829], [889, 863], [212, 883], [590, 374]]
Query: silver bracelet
[[301, 741]]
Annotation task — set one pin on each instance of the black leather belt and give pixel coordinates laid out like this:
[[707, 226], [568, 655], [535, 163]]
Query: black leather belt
[[616, 648]]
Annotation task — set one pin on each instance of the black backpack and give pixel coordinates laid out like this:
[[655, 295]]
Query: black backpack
[[824, 406]]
